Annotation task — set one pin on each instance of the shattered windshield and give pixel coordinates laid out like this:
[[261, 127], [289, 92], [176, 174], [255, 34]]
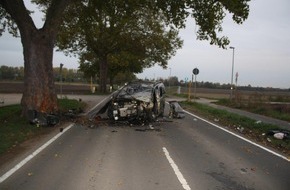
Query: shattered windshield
[[135, 89]]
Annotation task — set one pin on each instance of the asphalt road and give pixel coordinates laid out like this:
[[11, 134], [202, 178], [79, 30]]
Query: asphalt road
[[186, 154]]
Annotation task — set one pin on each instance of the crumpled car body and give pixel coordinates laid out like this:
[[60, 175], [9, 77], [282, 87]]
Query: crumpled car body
[[137, 102]]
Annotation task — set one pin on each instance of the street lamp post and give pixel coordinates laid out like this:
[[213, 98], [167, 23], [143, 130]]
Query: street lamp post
[[169, 77], [233, 60], [60, 73]]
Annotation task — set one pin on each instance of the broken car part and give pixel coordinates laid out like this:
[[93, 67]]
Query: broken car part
[[42, 119], [176, 110]]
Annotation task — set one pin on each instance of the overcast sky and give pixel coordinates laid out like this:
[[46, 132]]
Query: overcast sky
[[262, 50]]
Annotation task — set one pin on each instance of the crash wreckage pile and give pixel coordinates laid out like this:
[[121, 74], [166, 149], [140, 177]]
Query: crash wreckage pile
[[51, 119], [136, 103], [139, 103]]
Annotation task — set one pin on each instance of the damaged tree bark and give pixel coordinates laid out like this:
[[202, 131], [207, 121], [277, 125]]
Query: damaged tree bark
[[39, 92]]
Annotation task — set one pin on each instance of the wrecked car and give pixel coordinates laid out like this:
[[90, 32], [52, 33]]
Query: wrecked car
[[137, 101]]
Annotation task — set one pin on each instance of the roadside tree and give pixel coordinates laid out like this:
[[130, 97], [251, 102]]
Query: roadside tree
[[39, 92], [38, 43], [118, 37]]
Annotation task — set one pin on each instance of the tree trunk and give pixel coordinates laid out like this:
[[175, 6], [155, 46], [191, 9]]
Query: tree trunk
[[103, 74], [39, 90]]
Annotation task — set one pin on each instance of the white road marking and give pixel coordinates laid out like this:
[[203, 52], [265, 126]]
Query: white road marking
[[176, 170], [29, 157], [240, 137]]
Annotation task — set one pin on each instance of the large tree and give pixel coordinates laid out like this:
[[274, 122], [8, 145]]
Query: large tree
[[39, 92], [120, 63], [121, 35], [38, 43]]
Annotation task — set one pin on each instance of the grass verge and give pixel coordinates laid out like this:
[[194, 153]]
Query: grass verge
[[250, 128], [15, 129], [279, 111]]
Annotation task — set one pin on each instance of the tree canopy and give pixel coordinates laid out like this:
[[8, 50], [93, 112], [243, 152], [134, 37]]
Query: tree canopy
[[38, 44], [120, 36]]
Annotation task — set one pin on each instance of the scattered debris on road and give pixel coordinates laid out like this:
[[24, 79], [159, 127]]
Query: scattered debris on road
[[216, 120], [258, 122], [175, 110], [241, 129], [42, 119], [46, 119], [279, 134]]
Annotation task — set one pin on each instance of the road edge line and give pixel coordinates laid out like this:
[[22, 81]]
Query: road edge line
[[32, 155], [240, 137]]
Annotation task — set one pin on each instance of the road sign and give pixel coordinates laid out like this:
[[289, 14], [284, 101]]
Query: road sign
[[195, 71]]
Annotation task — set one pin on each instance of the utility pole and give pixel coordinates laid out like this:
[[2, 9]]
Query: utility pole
[[233, 60], [60, 74]]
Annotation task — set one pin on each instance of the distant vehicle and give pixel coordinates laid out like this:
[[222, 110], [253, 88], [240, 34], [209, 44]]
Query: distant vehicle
[[137, 102]]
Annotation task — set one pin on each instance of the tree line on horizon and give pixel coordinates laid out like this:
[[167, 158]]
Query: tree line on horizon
[[8, 73]]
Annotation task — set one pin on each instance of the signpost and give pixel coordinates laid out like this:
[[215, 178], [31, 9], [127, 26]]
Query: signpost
[[195, 72]]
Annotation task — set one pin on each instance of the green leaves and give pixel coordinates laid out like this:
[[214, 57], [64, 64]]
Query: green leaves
[[209, 14], [130, 35], [6, 22]]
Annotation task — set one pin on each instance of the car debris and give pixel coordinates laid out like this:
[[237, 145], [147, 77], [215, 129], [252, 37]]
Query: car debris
[[279, 134], [175, 110], [2, 100], [42, 119], [137, 102], [258, 122], [72, 113], [241, 129], [147, 129]]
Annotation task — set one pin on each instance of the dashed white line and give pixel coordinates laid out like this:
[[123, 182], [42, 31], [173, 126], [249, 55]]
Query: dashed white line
[[240, 137], [28, 158], [177, 172]]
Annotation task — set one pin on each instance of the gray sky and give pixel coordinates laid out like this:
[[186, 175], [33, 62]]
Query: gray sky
[[262, 50]]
